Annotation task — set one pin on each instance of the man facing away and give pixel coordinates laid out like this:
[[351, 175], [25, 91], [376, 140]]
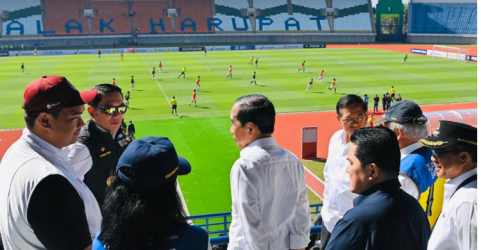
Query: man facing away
[[43, 202], [270, 210], [352, 115], [101, 142], [417, 172], [384, 216], [455, 157]]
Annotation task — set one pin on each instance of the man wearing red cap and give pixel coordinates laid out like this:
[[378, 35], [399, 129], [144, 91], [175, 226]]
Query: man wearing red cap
[[43, 203]]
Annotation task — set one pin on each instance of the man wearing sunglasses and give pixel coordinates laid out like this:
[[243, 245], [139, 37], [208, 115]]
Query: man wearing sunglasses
[[102, 141], [455, 147]]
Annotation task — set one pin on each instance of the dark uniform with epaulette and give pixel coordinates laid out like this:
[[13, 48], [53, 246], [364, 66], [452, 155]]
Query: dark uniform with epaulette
[[105, 153]]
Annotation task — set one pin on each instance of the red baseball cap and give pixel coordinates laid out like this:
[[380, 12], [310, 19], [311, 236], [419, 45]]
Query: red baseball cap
[[52, 93]]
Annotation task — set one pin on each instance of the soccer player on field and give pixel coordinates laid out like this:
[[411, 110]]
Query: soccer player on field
[[113, 81], [205, 51], [153, 73], [393, 94], [257, 61], [122, 56], [182, 72], [333, 86], [405, 58], [230, 72], [194, 98], [100, 53], [127, 98], [250, 62], [160, 67], [254, 79], [321, 75], [309, 85], [132, 82], [302, 67], [173, 102], [34, 52], [23, 68], [197, 84]]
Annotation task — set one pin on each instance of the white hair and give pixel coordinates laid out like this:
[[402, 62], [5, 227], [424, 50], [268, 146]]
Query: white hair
[[411, 131]]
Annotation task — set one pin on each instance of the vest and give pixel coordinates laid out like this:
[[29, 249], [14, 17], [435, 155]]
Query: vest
[[26, 163], [419, 167], [105, 153]]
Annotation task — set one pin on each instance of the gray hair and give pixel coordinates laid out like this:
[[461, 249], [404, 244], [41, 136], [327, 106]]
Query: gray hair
[[411, 131]]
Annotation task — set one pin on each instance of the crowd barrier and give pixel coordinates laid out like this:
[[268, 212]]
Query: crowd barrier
[[159, 49], [218, 223]]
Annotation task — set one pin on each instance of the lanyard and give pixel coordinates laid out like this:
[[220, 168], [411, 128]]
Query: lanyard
[[464, 183]]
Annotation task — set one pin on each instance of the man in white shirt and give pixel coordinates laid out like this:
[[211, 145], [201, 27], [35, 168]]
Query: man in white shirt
[[338, 199], [43, 203], [270, 210], [455, 157], [417, 172]]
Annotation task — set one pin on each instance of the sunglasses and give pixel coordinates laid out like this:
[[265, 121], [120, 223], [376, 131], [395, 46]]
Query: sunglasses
[[356, 120], [110, 110]]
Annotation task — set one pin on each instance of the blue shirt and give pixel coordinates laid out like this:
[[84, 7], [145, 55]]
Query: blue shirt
[[186, 238], [419, 167], [383, 217]]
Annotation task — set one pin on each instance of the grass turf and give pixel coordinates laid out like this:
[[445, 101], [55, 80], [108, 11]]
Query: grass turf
[[203, 135]]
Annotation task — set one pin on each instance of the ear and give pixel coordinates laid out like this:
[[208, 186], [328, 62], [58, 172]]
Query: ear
[[91, 110], [464, 156], [251, 128], [338, 119], [373, 171], [43, 121], [400, 134]]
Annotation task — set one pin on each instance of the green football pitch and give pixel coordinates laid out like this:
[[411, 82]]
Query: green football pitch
[[202, 135]]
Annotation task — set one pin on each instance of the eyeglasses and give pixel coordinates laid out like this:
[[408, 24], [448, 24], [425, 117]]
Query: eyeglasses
[[358, 119], [438, 154], [110, 110]]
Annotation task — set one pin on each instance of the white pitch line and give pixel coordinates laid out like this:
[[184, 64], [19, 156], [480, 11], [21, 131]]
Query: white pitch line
[[179, 191], [158, 84]]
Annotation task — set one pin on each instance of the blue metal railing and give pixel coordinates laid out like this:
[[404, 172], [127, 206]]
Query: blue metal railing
[[219, 224], [222, 240]]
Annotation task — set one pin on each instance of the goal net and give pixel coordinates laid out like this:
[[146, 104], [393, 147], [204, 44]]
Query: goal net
[[453, 53]]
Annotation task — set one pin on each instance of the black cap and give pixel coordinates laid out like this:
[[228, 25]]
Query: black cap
[[155, 162], [407, 112], [449, 133]]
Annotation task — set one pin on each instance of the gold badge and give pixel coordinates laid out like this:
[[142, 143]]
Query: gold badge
[[109, 180], [436, 133], [102, 149]]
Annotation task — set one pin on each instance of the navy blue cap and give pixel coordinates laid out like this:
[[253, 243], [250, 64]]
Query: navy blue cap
[[407, 112], [154, 162], [449, 133]]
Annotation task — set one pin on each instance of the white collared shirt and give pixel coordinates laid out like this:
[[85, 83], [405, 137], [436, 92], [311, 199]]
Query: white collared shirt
[[337, 195], [456, 227], [407, 184], [270, 210], [26, 163]]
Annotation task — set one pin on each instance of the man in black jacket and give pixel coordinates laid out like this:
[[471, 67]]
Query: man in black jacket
[[102, 141], [384, 216]]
